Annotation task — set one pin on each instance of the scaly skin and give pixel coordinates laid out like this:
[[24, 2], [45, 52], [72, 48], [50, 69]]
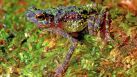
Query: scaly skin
[[65, 20]]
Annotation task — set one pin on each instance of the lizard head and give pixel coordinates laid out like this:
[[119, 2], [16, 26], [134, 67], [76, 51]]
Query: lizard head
[[38, 17]]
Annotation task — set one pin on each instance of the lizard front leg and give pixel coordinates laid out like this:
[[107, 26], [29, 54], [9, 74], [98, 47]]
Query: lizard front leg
[[63, 67]]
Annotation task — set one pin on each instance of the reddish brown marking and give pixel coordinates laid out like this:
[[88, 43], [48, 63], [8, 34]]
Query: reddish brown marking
[[52, 24], [60, 25], [103, 28], [71, 16], [74, 34]]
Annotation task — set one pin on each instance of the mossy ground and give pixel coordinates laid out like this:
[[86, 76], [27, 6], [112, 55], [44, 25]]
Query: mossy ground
[[25, 51]]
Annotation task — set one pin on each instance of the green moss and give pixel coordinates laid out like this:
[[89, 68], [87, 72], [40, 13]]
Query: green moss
[[26, 51]]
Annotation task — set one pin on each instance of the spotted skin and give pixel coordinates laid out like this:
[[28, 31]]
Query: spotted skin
[[65, 20]]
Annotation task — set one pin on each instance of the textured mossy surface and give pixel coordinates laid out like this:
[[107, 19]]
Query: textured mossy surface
[[26, 51]]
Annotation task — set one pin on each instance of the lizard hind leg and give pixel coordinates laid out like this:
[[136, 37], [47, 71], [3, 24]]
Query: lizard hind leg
[[90, 21], [94, 24], [107, 27], [100, 23]]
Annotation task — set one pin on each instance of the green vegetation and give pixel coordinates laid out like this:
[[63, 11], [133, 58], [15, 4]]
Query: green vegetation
[[25, 51]]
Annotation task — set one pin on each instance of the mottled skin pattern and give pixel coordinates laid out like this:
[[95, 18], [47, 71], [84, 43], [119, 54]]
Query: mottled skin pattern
[[70, 19]]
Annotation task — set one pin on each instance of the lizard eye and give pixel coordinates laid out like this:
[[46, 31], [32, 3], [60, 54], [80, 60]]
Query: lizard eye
[[40, 16]]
